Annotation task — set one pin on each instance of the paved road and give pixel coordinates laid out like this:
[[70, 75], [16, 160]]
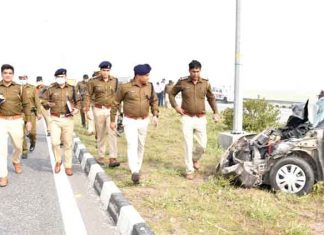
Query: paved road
[[40, 202]]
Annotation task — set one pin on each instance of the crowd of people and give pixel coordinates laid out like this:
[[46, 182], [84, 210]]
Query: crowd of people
[[101, 101]]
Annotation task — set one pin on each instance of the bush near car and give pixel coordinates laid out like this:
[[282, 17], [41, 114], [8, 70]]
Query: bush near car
[[257, 115]]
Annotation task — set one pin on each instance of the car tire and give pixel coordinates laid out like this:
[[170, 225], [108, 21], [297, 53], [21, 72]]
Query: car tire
[[292, 175], [225, 100]]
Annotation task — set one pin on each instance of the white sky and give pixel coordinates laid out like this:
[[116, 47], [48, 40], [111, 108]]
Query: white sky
[[282, 40]]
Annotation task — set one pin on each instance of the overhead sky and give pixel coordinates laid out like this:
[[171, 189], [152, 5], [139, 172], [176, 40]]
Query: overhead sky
[[281, 40]]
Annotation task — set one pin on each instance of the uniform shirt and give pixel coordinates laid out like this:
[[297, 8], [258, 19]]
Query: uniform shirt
[[193, 96], [136, 99], [168, 88], [40, 91], [103, 93], [93, 95], [81, 88], [59, 96], [32, 97], [16, 100]]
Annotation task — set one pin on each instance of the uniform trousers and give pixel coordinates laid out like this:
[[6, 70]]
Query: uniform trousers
[[167, 101], [62, 131], [102, 122], [194, 128], [91, 122], [32, 134], [135, 132], [13, 129], [47, 118], [83, 117]]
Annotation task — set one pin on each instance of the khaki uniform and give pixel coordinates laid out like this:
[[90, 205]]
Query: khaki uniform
[[40, 91], [167, 90], [194, 120], [62, 119], [81, 89], [137, 99], [35, 106], [12, 122], [90, 121], [103, 94]]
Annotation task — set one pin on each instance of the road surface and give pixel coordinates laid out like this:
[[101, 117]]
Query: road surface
[[41, 202]]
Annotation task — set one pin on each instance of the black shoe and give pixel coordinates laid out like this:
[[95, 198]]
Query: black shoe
[[135, 178], [61, 145], [32, 148], [113, 163], [48, 133], [24, 156]]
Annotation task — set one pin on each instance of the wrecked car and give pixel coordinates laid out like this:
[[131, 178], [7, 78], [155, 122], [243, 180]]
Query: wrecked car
[[289, 159]]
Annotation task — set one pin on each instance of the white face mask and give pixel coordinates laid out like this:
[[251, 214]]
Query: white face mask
[[23, 82], [60, 80]]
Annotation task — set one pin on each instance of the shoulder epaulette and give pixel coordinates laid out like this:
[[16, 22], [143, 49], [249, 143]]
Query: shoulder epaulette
[[127, 84], [95, 77], [206, 79], [183, 78]]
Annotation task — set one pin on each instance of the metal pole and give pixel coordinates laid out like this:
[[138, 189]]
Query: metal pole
[[238, 101]]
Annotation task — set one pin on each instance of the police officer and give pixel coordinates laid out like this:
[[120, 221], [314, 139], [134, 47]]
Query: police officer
[[137, 96], [81, 88], [89, 114], [103, 90], [40, 91], [194, 89], [13, 99], [64, 103], [35, 113], [167, 90]]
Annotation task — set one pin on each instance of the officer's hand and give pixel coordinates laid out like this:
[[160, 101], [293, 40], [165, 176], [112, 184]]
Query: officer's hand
[[113, 125], [179, 110], [89, 116], [75, 111], [51, 104], [39, 117], [28, 126], [216, 117], [155, 121]]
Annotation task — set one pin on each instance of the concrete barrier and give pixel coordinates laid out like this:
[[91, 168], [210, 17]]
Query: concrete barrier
[[125, 216]]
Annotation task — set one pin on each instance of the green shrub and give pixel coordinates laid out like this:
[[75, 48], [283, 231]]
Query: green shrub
[[257, 115]]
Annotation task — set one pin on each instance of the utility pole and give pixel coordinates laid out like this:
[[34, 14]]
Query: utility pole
[[238, 100]]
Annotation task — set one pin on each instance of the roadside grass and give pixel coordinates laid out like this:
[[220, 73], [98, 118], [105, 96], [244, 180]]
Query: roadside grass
[[209, 204]]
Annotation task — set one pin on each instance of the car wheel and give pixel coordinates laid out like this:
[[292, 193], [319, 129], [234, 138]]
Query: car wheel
[[225, 100], [292, 175]]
